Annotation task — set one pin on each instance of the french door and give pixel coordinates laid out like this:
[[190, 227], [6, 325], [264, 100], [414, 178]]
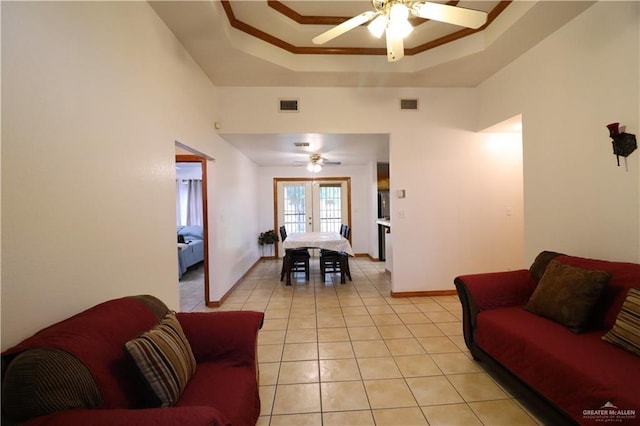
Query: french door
[[306, 205]]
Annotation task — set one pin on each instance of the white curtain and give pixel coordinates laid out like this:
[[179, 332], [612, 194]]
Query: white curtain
[[179, 203], [189, 202], [194, 202]]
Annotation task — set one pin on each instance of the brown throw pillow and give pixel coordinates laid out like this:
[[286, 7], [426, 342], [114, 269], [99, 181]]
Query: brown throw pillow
[[567, 294], [626, 331], [164, 357]]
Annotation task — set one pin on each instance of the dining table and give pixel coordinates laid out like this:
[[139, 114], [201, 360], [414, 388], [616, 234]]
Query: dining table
[[316, 240]]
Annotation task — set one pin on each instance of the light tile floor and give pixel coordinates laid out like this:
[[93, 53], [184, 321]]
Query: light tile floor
[[349, 354]]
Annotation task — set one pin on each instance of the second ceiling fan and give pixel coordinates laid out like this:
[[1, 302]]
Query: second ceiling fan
[[391, 17], [316, 162]]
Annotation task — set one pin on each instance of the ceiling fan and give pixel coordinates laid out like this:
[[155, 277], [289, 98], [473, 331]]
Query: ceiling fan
[[391, 16], [316, 162]]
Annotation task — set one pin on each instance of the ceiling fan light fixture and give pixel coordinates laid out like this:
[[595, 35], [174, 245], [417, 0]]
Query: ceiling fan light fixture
[[378, 25], [314, 167], [399, 29], [399, 25], [392, 17], [398, 13]]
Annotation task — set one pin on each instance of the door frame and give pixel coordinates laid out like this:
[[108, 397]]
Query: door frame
[[184, 158], [277, 180]]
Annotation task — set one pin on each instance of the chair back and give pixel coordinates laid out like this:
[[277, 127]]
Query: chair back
[[347, 232]]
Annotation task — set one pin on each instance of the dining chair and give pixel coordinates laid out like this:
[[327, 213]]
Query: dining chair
[[336, 262], [346, 232], [295, 260]]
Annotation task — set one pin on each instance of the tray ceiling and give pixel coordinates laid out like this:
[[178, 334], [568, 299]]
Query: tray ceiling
[[268, 43]]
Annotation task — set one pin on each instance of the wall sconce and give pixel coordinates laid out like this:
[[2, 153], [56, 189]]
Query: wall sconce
[[623, 143]]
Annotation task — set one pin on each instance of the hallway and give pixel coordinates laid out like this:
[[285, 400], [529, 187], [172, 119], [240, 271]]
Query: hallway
[[333, 354]]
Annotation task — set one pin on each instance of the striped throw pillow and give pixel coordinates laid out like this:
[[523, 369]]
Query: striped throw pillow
[[626, 331], [164, 357]]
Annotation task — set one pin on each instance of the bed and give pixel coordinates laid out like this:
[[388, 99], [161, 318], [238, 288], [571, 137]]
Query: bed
[[190, 247]]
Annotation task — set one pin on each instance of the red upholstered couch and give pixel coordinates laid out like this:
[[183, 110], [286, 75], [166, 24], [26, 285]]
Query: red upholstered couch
[[570, 378], [77, 372]]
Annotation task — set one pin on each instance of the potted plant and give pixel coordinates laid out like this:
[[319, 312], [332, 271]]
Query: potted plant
[[267, 237]]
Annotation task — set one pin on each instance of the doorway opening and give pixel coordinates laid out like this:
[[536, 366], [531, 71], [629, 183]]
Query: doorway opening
[[192, 229], [311, 205]]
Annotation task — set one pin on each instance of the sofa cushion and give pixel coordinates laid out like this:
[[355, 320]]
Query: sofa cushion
[[164, 357], [567, 294], [96, 337], [176, 416], [626, 331], [239, 402], [576, 371]]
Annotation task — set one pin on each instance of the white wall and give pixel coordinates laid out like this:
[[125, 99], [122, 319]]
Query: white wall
[[233, 218], [95, 95], [361, 208], [457, 189], [568, 88]]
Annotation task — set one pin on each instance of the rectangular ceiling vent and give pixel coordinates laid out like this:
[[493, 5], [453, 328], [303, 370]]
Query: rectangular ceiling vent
[[408, 104], [289, 105], [301, 144]]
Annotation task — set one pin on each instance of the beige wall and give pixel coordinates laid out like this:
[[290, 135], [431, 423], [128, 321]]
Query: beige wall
[[458, 185], [568, 88], [95, 96], [85, 82]]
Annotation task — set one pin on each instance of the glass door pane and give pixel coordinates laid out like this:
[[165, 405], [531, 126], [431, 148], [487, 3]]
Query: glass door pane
[[330, 205], [330, 211], [295, 208]]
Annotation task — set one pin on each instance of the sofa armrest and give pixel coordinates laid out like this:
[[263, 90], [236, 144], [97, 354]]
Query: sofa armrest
[[216, 336], [173, 416], [481, 292], [497, 289]]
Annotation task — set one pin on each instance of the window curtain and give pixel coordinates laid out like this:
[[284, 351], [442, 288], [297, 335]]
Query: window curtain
[[189, 202]]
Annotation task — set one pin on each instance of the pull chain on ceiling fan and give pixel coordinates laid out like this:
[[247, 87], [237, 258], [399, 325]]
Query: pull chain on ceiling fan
[[391, 16]]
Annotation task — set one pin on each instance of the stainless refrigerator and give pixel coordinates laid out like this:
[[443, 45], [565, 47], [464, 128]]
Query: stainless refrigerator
[[384, 212]]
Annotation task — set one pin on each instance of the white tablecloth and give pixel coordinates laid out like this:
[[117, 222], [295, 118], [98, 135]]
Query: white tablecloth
[[324, 240]]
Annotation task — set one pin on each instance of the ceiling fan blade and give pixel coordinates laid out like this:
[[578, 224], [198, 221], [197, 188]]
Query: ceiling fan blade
[[451, 14], [344, 27], [395, 47]]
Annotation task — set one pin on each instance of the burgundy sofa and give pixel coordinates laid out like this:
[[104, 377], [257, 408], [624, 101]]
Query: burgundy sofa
[[567, 377], [77, 372]]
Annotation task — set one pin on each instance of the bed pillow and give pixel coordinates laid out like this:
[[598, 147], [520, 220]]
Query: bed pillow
[[165, 359], [567, 294], [626, 331]]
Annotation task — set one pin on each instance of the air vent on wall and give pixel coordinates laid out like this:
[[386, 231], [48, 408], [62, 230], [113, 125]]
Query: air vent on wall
[[288, 105], [409, 104]]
